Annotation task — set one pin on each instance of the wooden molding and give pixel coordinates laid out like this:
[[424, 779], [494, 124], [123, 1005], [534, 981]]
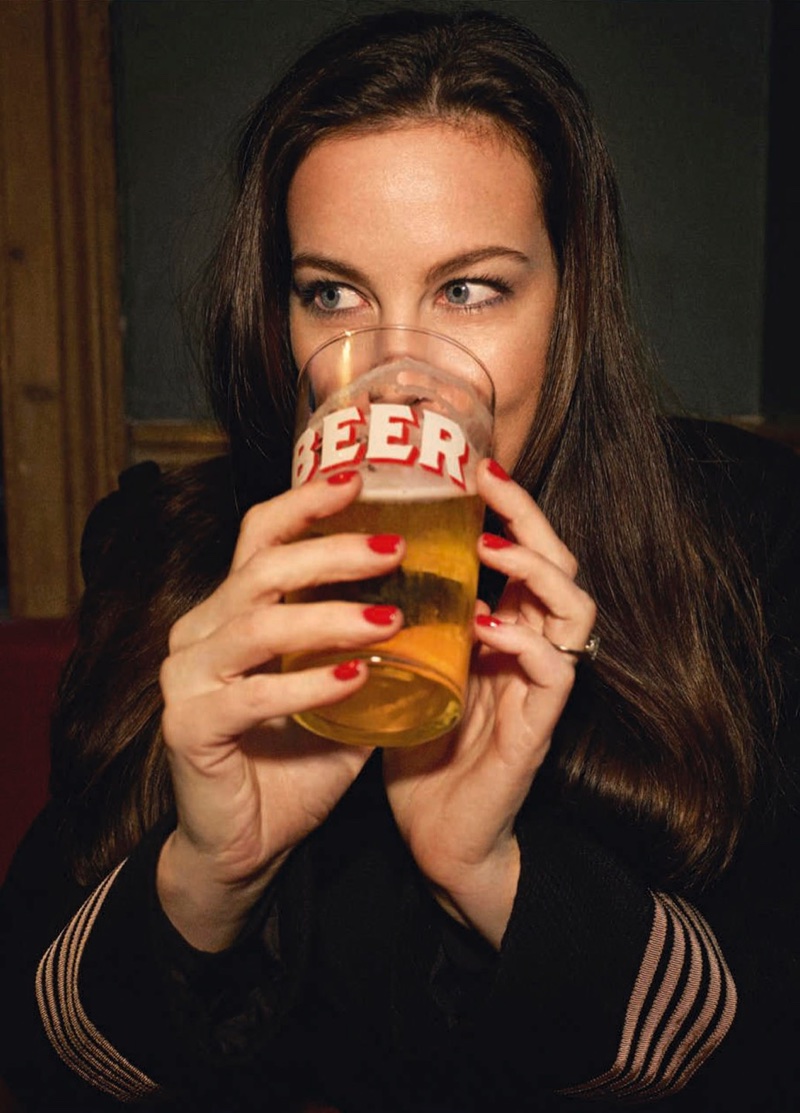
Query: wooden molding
[[174, 443], [63, 431], [60, 345]]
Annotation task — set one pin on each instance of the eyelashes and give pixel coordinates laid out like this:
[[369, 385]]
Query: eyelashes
[[501, 291], [453, 295], [310, 295]]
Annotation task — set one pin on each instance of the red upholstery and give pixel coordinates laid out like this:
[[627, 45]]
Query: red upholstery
[[32, 655]]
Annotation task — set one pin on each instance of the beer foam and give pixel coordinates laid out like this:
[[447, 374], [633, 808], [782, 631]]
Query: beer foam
[[376, 489]]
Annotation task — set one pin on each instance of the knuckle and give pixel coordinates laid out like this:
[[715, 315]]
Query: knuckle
[[565, 680], [549, 674], [251, 523], [170, 727], [176, 636], [166, 675], [256, 693], [261, 572], [250, 626], [570, 564], [589, 606], [562, 671]]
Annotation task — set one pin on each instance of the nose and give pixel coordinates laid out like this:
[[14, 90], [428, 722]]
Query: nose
[[396, 342]]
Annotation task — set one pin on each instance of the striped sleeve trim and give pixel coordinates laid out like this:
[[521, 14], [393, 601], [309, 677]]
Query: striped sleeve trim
[[682, 1006], [73, 1036]]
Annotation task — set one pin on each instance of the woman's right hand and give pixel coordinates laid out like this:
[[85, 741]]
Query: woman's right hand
[[249, 782]]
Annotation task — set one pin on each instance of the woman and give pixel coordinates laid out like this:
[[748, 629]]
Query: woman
[[575, 899]]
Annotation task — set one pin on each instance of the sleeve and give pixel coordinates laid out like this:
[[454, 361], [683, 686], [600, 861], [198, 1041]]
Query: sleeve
[[623, 991], [755, 907], [102, 1002], [106, 1004], [606, 992], [603, 993]]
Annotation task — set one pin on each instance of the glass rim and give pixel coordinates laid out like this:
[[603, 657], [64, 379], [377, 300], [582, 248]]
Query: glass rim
[[397, 328]]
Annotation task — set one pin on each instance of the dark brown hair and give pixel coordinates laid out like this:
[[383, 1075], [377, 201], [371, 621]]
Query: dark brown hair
[[660, 733], [151, 551]]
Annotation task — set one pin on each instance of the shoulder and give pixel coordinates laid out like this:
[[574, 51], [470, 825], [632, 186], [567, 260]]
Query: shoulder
[[745, 481], [154, 515], [733, 459]]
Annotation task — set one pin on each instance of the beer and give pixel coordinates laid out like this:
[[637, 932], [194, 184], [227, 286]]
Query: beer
[[417, 679], [413, 412]]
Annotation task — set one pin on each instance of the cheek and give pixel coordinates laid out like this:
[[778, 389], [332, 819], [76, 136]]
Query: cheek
[[517, 369], [511, 430], [303, 339]]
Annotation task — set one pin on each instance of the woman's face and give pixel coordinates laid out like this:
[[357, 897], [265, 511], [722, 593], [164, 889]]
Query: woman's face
[[430, 225]]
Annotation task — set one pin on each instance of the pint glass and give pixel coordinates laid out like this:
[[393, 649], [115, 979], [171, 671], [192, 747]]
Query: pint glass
[[412, 411]]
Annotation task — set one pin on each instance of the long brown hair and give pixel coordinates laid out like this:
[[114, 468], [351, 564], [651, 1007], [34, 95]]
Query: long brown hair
[[151, 551], [660, 734]]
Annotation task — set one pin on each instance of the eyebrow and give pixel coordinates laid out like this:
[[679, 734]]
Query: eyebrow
[[470, 258], [333, 266], [448, 266]]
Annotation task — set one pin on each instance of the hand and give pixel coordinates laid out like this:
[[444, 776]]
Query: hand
[[249, 783], [455, 800]]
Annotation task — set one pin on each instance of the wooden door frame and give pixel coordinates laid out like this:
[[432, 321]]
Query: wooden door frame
[[61, 373], [60, 335]]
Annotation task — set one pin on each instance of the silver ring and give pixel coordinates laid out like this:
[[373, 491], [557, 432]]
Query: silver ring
[[589, 651]]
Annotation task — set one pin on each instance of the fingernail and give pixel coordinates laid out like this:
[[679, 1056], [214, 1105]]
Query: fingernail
[[380, 615], [497, 470], [385, 543], [495, 541], [347, 670], [339, 478], [488, 620]]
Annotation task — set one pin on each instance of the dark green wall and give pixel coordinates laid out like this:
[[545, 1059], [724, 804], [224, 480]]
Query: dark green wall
[[681, 87]]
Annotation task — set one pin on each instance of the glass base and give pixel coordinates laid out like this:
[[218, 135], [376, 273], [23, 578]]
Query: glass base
[[401, 704]]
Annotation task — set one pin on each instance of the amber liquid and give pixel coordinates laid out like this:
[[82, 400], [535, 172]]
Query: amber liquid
[[417, 681]]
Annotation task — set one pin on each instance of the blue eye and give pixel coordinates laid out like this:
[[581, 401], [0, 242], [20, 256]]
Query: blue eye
[[458, 293], [475, 293], [327, 297]]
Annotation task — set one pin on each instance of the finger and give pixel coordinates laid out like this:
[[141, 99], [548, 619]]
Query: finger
[[524, 519], [481, 609], [223, 715], [563, 610], [256, 637], [287, 516], [272, 573], [542, 664]]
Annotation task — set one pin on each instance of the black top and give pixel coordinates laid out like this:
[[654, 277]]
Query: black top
[[351, 986]]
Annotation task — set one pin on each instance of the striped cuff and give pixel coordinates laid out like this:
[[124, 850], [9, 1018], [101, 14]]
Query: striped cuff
[[75, 1039], [681, 1008]]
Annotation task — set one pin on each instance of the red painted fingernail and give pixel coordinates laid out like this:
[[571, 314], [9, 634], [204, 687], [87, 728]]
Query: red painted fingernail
[[384, 543], [380, 615], [347, 670], [488, 620], [497, 470], [339, 478], [495, 541]]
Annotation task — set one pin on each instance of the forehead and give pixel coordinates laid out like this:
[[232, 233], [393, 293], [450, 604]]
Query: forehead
[[416, 172]]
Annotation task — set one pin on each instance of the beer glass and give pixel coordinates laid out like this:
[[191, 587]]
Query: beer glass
[[413, 412]]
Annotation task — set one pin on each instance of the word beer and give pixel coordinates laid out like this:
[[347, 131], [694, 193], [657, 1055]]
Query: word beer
[[391, 438]]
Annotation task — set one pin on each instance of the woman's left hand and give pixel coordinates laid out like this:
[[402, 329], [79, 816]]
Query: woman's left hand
[[455, 799]]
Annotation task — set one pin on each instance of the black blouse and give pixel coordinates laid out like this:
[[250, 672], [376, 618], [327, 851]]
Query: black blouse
[[350, 985]]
